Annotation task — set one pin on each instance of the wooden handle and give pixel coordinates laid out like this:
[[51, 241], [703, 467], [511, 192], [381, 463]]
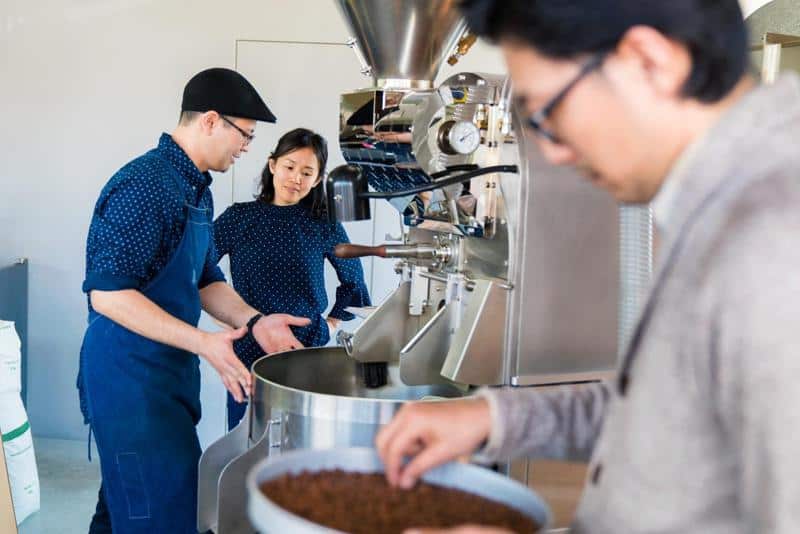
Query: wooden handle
[[346, 250]]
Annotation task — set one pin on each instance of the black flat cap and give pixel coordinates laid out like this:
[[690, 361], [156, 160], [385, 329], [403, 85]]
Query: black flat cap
[[227, 92]]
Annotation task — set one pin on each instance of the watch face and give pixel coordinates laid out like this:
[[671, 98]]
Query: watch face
[[464, 137]]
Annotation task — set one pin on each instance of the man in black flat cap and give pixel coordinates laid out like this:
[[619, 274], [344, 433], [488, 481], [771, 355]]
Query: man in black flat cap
[[148, 275]]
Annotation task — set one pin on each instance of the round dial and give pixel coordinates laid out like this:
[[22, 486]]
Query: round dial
[[459, 137]]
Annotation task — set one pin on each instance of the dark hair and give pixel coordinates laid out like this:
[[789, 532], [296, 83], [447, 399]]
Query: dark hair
[[296, 139], [713, 30], [187, 117]]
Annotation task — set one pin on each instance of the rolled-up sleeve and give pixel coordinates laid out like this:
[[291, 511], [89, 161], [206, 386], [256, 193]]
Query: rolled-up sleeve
[[352, 290], [125, 234]]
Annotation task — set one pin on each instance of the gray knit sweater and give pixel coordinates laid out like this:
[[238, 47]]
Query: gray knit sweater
[[706, 437]]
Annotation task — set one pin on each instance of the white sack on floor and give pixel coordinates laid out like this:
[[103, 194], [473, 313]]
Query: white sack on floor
[[20, 459], [10, 358]]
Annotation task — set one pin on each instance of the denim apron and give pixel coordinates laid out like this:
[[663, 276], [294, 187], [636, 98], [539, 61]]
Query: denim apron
[[141, 399]]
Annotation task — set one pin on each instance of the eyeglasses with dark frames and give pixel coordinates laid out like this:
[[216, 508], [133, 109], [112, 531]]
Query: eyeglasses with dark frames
[[536, 120], [248, 137]]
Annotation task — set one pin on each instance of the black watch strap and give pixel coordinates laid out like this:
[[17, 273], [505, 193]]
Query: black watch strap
[[252, 322]]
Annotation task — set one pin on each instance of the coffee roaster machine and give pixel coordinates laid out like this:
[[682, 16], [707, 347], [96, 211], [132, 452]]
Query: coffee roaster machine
[[512, 272]]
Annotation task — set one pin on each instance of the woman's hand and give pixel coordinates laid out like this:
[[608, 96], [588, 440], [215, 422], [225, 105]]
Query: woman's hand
[[333, 324], [273, 334]]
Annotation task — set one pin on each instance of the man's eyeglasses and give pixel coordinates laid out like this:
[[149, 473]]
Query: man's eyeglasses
[[248, 137], [536, 121]]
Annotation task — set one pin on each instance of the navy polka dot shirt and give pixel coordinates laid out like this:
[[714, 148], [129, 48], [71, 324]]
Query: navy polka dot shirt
[[139, 219], [277, 256]]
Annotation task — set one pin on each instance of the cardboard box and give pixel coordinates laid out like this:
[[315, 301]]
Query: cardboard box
[[8, 522]]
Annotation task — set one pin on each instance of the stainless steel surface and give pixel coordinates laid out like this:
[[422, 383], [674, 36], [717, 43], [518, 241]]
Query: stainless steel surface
[[343, 195], [420, 251], [422, 358], [232, 503], [563, 316], [545, 236], [323, 401], [305, 399], [213, 461], [467, 229], [270, 518], [566, 378], [403, 40], [386, 331], [474, 356]]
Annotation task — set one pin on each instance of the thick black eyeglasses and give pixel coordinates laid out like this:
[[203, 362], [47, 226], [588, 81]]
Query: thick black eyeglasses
[[536, 120], [248, 137]]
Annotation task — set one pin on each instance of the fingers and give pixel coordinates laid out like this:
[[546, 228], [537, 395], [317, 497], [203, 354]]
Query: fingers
[[237, 334], [402, 444], [424, 433], [430, 457], [294, 343], [241, 375], [386, 433], [287, 342], [274, 335], [296, 321], [385, 438], [237, 375], [231, 379], [243, 381], [233, 387]]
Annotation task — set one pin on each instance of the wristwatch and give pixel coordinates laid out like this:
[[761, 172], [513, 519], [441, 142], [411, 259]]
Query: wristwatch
[[252, 322]]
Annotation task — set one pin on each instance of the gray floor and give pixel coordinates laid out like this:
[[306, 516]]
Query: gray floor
[[69, 485]]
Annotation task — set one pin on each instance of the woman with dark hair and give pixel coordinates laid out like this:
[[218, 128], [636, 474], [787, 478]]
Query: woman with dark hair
[[278, 245]]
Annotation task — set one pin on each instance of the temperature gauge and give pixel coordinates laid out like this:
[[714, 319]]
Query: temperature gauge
[[459, 137]]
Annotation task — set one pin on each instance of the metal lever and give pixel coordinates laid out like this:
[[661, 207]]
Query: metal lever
[[420, 252]]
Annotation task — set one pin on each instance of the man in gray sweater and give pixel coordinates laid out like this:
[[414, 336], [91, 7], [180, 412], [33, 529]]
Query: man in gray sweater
[[699, 431]]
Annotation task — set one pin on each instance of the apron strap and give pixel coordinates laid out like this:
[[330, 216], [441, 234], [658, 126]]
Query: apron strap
[[89, 444]]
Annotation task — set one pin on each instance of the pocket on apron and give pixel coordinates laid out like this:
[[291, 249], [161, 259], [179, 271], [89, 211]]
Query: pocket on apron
[[130, 474]]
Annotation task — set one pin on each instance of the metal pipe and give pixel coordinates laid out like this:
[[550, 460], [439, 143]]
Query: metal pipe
[[442, 183], [419, 251]]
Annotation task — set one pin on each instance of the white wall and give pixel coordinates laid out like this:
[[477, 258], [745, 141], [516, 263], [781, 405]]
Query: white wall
[[86, 85], [750, 6]]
